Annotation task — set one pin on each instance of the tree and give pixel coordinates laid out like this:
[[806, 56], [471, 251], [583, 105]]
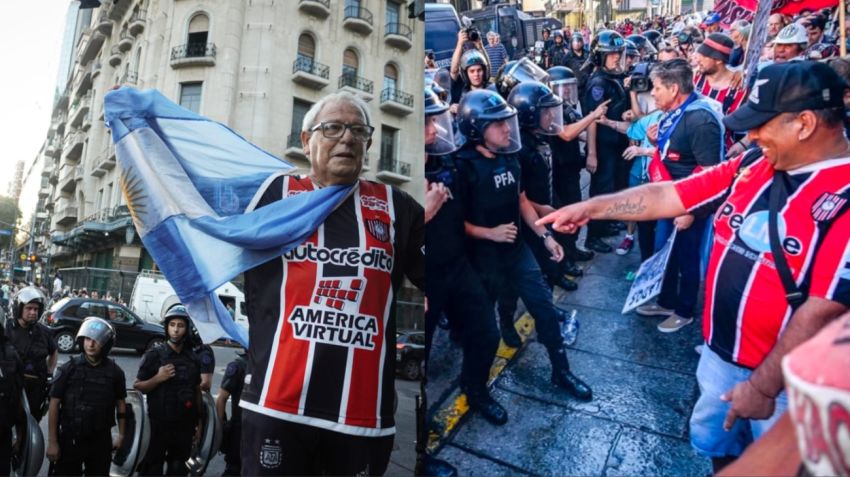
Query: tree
[[9, 214]]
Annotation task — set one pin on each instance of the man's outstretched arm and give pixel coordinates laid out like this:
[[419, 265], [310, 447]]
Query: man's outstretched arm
[[647, 202]]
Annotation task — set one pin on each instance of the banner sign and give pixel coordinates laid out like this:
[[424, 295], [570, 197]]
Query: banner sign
[[732, 10], [649, 277]]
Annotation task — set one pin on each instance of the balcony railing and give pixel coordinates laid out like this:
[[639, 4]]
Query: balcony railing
[[109, 214], [398, 96], [356, 82], [137, 21], [193, 50], [115, 55], [353, 11], [309, 65], [319, 8], [391, 165], [398, 29]]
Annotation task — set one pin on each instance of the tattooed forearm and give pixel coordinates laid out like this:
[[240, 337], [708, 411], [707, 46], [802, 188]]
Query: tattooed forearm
[[625, 208]]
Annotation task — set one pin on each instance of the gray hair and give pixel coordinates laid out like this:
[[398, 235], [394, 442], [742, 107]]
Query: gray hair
[[333, 98], [743, 27], [674, 72]]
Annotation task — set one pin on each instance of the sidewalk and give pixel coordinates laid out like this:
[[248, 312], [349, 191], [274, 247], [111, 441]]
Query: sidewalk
[[643, 386]]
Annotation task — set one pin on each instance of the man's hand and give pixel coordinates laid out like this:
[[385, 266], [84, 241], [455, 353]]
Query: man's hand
[[165, 372], [652, 133], [568, 219], [737, 79], [628, 116], [735, 150], [627, 82], [436, 195], [554, 248], [682, 222], [747, 402], [632, 152], [601, 110], [505, 233], [453, 109], [52, 451], [591, 163], [462, 37]]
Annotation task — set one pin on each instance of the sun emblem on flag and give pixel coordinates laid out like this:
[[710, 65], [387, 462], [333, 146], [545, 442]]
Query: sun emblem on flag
[[134, 194]]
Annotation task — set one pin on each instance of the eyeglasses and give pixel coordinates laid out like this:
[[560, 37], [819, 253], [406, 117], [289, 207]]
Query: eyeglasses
[[332, 130]]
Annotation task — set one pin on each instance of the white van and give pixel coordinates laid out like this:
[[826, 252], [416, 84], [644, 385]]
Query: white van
[[152, 293]]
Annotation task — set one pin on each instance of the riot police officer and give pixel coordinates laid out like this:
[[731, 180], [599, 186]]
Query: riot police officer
[[577, 59], [609, 172], [231, 388], [11, 405], [206, 356], [87, 394], [490, 173], [646, 49], [170, 376], [34, 344], [559, 51], [455, 289]]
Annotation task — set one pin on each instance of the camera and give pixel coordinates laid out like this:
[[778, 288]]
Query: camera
[[640, 81], [472, 33]]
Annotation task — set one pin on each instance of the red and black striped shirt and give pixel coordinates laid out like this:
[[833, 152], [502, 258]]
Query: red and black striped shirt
[[745, 306], [729, 98], [322, 317]]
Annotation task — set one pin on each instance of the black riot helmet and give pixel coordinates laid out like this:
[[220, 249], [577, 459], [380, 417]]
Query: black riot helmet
[[174, 313], [654, 37], [645, 47], [563, 82], [605, 42], [471, 58], [98, 330], [439, 126], [26, 296], [631, 49], [538, 109], [513, 73], [480, 109]]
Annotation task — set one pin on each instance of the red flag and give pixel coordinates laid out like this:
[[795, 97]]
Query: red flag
[[731, 10]]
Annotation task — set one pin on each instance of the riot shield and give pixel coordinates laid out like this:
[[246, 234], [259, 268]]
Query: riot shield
[[207, 447], [137, 434], [28, 460]]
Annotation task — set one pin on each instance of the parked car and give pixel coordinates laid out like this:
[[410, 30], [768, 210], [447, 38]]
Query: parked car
[[409, 353], [66, 315]]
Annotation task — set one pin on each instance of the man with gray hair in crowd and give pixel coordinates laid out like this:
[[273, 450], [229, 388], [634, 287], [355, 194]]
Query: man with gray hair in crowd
[[319, 389], [496, 52]]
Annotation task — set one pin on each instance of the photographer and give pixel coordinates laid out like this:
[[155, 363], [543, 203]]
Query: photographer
[[470, 66]]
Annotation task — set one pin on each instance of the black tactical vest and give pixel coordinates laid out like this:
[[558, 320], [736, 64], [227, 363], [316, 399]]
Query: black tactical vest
[[174, 399], [88, 406], [10, 384], [536, 160]]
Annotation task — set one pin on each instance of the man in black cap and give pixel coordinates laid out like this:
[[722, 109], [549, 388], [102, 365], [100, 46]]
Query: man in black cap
[[779, 260], [714, 80]]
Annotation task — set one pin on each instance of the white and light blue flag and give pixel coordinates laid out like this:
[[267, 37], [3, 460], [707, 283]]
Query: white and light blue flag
[[187, 181]]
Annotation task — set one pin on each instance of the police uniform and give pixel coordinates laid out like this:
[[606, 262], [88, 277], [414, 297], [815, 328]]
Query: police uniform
[[172, 407], [234, 380], [575, 62], [612, 171], [558, 55], [34, 345], [88, 395], [11, 410]]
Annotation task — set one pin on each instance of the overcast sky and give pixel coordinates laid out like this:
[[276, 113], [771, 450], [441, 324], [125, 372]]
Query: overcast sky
[[30, 41]]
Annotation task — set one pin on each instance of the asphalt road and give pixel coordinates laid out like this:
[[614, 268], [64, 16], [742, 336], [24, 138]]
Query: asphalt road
[[403, 457]]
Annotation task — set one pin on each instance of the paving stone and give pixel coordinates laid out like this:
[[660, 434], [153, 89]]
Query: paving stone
[[643, 453], [597, 291], [472, 465], [443, 368]]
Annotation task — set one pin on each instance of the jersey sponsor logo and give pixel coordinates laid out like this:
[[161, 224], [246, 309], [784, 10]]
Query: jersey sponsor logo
[[827, 206], [673, 156], [378, 229], [322, 325], [374, 203], [376, 258], [503, 179], [341, 294], [754, 231], [270, 454]]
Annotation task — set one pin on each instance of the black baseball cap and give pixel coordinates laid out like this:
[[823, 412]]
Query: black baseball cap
[[787, 88]]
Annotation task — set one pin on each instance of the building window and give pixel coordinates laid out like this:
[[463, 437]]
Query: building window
[[393, 15], [196, 42], [390, 77], [190, 96], [350, 63], [388, 141], [306, 46], [299, 110]]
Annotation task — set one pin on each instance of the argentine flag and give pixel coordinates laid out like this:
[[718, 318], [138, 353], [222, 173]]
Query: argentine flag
[[187, 181]]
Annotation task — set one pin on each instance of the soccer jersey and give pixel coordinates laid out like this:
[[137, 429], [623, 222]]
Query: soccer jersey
[[322, 317], [730, 98], [745, 305]]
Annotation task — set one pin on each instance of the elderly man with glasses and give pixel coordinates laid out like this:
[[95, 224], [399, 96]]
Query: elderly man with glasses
[[319, 389]]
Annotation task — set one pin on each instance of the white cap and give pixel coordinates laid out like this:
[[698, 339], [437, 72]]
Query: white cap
[[791, 35]]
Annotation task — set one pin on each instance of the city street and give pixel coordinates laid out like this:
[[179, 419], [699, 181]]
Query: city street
[[403, 456]]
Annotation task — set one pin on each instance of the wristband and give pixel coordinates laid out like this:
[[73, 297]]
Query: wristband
[[546, 235]]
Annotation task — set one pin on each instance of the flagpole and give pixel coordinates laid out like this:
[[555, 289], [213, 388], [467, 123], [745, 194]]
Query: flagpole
[[842, 30]]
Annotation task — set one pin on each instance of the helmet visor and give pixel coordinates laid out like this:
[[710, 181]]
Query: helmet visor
[[96, 329], [614, 61], [525, 70], [502, 137], [439, 134], [567, 91], [551, 120]]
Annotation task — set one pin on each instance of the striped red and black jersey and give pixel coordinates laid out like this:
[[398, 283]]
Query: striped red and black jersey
[[729, 98], [322, 317], [745, 305]]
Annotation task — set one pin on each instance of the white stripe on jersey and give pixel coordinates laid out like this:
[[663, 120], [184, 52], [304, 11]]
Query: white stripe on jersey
[[316, 422], [391, 210], [308, 367]]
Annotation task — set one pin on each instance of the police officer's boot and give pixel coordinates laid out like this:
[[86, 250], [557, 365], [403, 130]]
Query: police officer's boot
[[508, 330], [571, 269], [435, 467], [563, 282], [563, 378], [481, 401]]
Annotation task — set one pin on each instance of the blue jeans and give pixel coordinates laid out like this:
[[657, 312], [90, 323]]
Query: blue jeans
[[680, 288], [715, 378]]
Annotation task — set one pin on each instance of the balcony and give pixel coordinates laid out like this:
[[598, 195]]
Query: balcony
[[115, 56], [398, 35], [357, 19], [67, 182], [390, 170], [95, 69], [51, 149], [86, 121], [104, 24], [105, 161], [310, 73], [92, 47], [54, 176], [66, 216], [396, 102], [317, 8], [125, 41], [294, 149], [118, 8], [193, 54], [79, 173], [48, 170], [83, 80], [44, 191], [73, 145], [79, 108], [356, 85], [137, 22], [129, 78]]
